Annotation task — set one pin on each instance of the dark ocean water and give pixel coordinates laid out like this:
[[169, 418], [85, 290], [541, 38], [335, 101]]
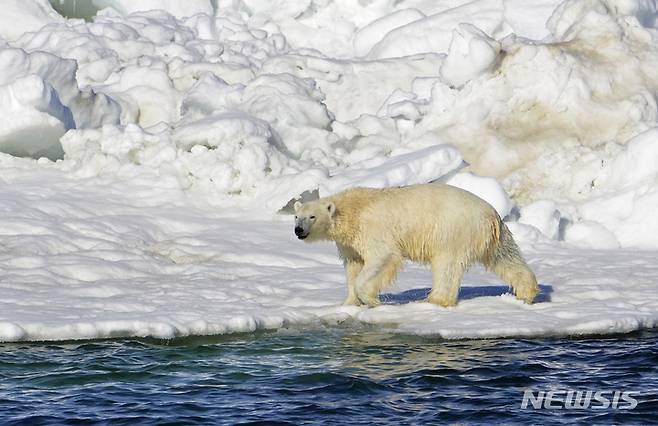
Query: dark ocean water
[[331, 376]]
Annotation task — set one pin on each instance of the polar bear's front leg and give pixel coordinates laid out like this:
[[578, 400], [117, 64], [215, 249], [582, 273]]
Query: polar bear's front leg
[[352, 269], [374, 276]]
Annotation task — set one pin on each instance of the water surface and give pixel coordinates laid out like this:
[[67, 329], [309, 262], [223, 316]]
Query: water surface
[[352, 375]]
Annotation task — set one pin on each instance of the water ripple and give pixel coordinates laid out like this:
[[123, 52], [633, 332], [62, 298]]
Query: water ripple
[[331, 376]]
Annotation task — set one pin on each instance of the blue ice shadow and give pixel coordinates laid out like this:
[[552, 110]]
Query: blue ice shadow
[[465, 293]]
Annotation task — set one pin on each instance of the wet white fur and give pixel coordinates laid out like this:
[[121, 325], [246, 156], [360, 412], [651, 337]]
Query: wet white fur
[[376, 230]]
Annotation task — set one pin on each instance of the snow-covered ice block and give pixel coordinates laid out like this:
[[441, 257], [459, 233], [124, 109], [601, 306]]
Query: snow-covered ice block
[[637, 163], [18, 17], [146, 94], [486, 188], [546, 114], [471, 53], [89, 109], [433, 33], [529, 21], [33, 118], [590, 234], [10, 332], [543, 215], [599, 18], [220, 130], [175, 7], [372, 33], [40, 100], [344, 83], [625, 214], [624, 191], [421, 166], [209, 95]]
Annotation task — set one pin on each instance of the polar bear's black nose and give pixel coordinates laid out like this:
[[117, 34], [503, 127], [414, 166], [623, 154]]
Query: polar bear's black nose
[[299, 230]]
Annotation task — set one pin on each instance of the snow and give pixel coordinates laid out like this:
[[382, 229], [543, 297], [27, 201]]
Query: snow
[[590, 234], [433, 33], [484, 187], [97, 262], [25, 16], [543, 215], [86, 259], [471, 54], [372, 33], [40, 100], [404, 169], [160, 139], [34, 113], [174, 7]]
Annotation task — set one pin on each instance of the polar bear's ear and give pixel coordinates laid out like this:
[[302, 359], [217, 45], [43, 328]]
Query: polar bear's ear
[[331, 208], [297, 206]]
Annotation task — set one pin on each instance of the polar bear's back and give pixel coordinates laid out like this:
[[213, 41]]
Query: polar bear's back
[[422, 220], [438, 201]]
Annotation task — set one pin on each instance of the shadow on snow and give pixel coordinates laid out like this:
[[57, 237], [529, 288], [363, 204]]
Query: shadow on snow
[[465, 293]]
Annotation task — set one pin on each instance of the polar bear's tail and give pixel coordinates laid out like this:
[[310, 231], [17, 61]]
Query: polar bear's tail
[[510, 266]]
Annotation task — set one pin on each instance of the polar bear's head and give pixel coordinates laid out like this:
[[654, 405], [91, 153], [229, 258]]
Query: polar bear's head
[[313, 219]]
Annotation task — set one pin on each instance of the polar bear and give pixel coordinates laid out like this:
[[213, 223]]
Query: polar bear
[[376, 230]]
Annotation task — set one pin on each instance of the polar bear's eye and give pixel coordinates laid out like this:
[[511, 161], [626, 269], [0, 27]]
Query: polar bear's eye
[[312, 217]]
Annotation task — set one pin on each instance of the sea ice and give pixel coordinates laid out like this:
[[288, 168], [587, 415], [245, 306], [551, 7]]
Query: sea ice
[[178, 133], [97, 258]]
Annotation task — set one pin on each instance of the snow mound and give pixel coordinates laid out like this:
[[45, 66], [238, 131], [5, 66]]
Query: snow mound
[[544, 115], [344, 82], [174, 7], [372, 33], [40, 100], [486, 188], [625, 191], [537, 116], [471, 54], [419, 166], [20, 17]]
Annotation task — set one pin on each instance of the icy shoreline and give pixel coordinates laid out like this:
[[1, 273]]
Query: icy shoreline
[[89, 259], [165, 141]]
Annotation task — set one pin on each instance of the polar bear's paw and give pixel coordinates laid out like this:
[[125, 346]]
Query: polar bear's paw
[[527, 294], [352, 301], [370, 301], [443, 301]]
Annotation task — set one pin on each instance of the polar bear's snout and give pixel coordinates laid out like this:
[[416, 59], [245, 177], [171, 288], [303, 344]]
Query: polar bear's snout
[[299, 231], [302, 228], [312, 219]]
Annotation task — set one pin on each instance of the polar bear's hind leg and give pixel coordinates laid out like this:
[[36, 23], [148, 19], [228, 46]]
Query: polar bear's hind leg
[[509, 265], [447, 274]]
